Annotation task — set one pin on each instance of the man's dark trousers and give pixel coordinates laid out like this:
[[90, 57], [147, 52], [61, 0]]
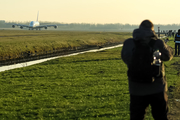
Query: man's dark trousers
[[158, 103], [177, 48]]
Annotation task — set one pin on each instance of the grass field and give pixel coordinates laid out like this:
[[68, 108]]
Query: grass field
[[87, 86], [15, 43]]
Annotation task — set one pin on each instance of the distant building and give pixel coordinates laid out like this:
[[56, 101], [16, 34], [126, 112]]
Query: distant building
[[2, 24], [2, 21]]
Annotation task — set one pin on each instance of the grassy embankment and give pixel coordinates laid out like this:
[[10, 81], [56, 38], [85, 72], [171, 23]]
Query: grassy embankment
[[86, 86], [14, 43], [173, 78]]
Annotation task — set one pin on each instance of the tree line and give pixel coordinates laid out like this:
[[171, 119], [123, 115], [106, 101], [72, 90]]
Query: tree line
[[93, 26]]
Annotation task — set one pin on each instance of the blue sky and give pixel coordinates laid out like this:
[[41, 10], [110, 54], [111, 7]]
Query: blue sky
[[91, 11]]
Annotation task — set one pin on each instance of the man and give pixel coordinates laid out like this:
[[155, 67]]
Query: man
[[177, 43], [144, 94]]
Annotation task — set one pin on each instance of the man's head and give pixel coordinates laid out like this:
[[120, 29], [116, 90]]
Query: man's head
[[146, 24], [145, 32]]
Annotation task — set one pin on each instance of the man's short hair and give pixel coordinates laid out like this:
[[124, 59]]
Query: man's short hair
[[147, 24]]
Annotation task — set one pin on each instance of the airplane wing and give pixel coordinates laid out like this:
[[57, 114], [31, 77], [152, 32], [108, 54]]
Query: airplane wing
[[46, 26], [21, 26], [36, 27]]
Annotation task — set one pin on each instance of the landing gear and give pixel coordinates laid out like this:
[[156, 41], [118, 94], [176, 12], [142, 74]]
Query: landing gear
[[35, 28]]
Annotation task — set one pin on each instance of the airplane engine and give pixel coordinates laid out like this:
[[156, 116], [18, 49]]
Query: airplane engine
[[21, 27], [55, 27], [13, 26], [45, 27]]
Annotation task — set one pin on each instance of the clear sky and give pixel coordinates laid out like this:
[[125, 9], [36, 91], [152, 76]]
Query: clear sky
[[92, 11]]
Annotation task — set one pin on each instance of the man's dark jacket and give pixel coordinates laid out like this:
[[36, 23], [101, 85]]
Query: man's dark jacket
[[177, 37], [145, 35]]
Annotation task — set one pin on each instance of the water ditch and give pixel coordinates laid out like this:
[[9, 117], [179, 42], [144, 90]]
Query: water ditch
[[26, 56], [35, 60]]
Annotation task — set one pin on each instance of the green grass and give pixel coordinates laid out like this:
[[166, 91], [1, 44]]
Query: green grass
[[82, 87], [86, 86], [14, 43]]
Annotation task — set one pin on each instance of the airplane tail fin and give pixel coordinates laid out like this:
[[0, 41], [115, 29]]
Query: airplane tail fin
[[37, 15]]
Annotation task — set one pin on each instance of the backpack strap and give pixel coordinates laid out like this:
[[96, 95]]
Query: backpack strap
[[151, 43]]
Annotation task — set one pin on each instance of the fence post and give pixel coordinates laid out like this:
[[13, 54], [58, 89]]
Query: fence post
[[159, 32]]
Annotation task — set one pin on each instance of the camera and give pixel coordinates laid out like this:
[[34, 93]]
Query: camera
[[156, 58], [157, 63]]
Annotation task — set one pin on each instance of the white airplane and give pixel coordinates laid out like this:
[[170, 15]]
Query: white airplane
[[34, 25]]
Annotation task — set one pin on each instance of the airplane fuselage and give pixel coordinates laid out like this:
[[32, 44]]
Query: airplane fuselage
[[34, 24]]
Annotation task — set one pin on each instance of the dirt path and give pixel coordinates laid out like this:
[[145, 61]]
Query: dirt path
[[174, 103], [174, 113]]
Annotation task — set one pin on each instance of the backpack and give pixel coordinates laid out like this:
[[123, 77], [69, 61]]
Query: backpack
[[141, 68]]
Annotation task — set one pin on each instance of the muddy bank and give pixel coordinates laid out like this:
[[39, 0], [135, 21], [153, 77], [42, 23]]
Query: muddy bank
[[25, 64], [28, 56]]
